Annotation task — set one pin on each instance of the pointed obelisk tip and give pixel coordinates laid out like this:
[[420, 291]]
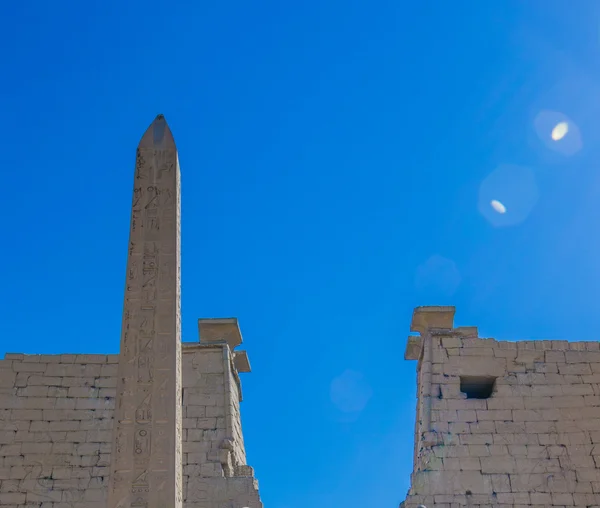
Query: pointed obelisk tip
[[158, 135]]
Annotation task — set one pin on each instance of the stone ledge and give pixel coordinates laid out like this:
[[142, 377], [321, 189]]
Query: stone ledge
[[220, 329], [425, 318]]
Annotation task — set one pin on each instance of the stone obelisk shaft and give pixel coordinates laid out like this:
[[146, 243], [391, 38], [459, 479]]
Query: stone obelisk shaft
[[146, 457]]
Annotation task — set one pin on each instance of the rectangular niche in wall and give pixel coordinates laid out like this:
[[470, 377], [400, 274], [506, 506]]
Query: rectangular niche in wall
[[477, 387]]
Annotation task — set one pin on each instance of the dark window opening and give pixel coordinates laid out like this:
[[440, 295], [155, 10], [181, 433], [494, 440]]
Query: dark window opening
[[477, 387]]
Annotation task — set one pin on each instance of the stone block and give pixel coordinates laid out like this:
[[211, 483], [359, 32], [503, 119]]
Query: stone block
[[582, 357], [506, 403], [105, 382], [37, 380], [495, 414], [445, 482], [29, 367], [476, 366], [574, 368]]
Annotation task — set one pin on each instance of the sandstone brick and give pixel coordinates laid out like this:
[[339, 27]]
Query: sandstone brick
[[93, 403], [580, 499], [455, 404], [78, 381], [192, 399], [546, 367], [194, 435], [67, 415], [33, 391], [83, 391], [542, 498], [48, 358], [588, 475], [462, 415], [14, 356], [90, 359], [29, 367], [451, 342], [97, 424], [26, 414], [104, 382], [485, 427], [575, 369], [12, 498], [506, 353], [73, 370], [38, 403], [36, 448], [524, 439], [39, 380], [480, 351], [494, 414], [498, 465], [578, 389], [108, 393], [582, 357], [506, 403], [196, 411], [7, 378], [529, 356], [476, 439], [99, 436], [526, 345], [64, 425]]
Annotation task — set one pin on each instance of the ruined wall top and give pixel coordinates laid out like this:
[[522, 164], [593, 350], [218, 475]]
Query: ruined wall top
[[502, 423], [439, 320]]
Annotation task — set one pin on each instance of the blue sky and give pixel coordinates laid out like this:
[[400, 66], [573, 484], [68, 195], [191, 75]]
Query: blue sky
[[338, 161]]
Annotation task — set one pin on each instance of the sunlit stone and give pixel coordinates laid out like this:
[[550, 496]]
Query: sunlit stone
[[499, 207], [560, 131]]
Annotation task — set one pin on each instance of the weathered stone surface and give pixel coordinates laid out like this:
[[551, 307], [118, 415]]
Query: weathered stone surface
[[71, 424], [531, 443], [146, 452], [60, 454]]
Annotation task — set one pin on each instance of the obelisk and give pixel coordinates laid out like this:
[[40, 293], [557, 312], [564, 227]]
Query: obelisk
[[146, 457]]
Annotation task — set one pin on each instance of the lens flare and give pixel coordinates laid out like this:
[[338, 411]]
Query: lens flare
[[350, 392], [496, 205], [438, 275], [560, 131], [508, 195]]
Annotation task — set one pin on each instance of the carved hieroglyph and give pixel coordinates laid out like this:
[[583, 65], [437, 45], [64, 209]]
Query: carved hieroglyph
[[146, 454]]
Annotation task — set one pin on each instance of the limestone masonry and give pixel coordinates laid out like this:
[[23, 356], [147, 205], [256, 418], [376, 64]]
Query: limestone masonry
[[56, 427], [499, 424], [503, 424], [148, 411], [157, 426]]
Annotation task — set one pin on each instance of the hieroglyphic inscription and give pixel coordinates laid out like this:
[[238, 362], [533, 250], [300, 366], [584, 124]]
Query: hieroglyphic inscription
[[146, 460], [178, 455]]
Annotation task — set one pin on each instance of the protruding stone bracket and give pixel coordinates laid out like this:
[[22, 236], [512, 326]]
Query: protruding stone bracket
[[413, 348], [241, 361], [219, 330], [427, 319]]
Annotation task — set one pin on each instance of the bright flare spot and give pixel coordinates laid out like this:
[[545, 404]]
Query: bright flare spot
[[499, 207], [560, 131]]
